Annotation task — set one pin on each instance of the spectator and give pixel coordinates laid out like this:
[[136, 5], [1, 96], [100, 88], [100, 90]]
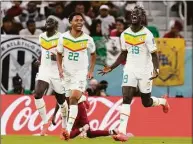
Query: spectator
[[8, 26], [32, 13], [17, 86], [120, 27], [96, 28], [107, 20], [176, 28], [31, 29], [94, 9], [92, 87], [58, 15], [87, 20], [114, 10], [102, 88], [15, 10]]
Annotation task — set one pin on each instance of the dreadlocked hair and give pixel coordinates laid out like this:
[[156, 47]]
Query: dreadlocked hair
[[144, 16]]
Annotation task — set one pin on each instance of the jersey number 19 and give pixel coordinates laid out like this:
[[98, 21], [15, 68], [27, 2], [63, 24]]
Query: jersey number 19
[[135, 50]]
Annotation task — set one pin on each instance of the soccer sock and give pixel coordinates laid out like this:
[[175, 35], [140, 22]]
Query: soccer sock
[[124, 116], [158, 101], [64, 114], [97, 133], [72, 116], [41, 107], [82, 98], [112, 132], [74, 133]]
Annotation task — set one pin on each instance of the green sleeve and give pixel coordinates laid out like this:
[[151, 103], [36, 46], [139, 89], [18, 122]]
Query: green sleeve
[[27, 92]]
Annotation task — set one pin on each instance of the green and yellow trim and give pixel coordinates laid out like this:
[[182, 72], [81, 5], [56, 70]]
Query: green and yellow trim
[[75, 45], [134, 39]]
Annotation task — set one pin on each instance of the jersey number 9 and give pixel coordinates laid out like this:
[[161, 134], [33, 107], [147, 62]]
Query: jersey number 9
[[73, 56], [135, 50]]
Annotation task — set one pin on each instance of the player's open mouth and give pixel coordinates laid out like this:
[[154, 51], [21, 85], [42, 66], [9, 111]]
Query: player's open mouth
[[134, 18]]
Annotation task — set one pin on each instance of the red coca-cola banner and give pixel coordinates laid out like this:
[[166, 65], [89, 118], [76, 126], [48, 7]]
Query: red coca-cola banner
[[20, 117]]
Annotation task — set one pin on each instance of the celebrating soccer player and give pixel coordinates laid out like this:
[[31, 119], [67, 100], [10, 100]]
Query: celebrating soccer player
[[75, 45], [48, 72], [142, 66]]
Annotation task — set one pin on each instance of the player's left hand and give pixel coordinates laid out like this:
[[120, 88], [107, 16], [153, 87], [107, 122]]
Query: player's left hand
[[105, 70], [90, 75], [155, 74]]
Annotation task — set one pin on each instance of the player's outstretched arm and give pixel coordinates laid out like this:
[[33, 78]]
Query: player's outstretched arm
[[155, 61], [92, 65], [122, 57]]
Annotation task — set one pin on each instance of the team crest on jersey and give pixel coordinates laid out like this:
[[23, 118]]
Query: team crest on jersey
[[17, 55], [53, 43], [141, 38], [82, 45]]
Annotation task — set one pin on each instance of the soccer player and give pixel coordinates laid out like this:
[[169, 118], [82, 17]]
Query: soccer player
[[75, 45], [48, 72], [81, 125], [142, 66]]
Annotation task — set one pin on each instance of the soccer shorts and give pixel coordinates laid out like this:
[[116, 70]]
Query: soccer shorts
[[75, 81], [133, 78], [55, 83]]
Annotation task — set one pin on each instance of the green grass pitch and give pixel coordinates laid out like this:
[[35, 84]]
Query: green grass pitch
[[101, 140]]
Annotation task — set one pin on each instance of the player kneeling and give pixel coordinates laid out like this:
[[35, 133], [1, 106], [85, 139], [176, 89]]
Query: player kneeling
[[81, 125]]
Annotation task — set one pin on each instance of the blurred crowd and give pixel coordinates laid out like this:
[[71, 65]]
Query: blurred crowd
[[102, 18]]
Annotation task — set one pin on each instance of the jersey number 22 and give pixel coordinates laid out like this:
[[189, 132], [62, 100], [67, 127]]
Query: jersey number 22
[[73, 56]]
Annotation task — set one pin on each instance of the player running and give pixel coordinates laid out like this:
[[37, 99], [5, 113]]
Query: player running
[[48, 72], [81, 125], [142, 65], [75, 45]]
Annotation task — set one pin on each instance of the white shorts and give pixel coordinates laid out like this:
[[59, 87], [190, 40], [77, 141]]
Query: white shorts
[[55, 83], [75, 81], [140, 79]]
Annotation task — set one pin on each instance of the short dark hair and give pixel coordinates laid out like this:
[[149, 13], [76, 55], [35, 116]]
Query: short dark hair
[[120, 20], [104, 82], [74, 14], [29, 22]]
